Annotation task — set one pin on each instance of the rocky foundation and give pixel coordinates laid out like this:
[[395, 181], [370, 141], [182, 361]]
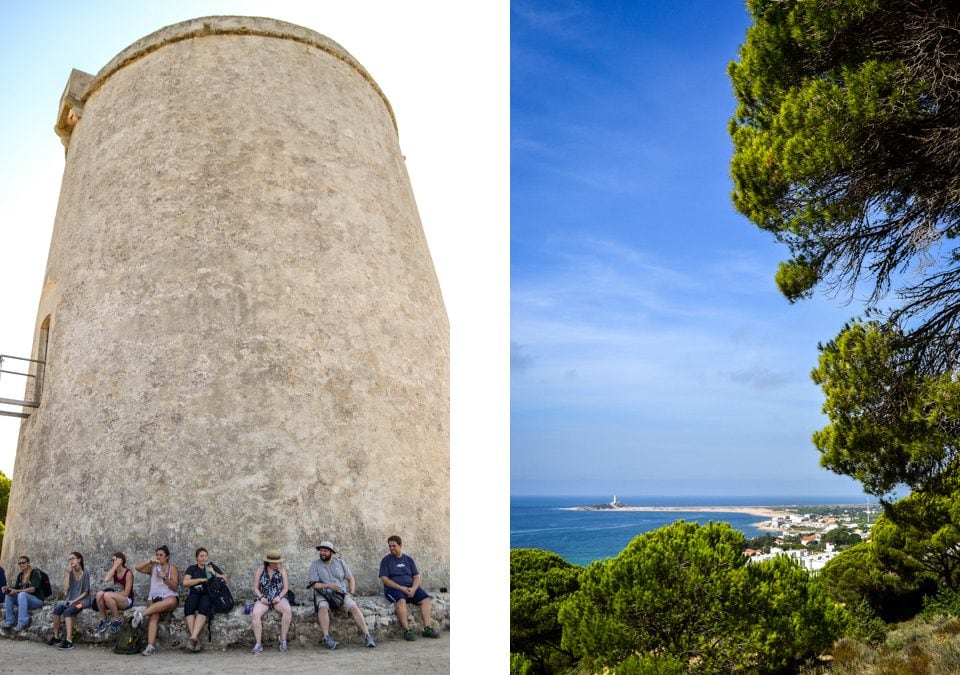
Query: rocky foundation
[[233, 629]]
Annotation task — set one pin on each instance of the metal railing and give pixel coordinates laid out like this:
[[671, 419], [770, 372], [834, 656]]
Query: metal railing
[[31, 398]]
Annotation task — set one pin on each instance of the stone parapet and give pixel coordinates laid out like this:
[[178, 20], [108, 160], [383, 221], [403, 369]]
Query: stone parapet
[[233, 629]]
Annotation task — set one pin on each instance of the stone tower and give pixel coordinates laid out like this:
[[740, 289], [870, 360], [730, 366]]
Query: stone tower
[[244, 339]]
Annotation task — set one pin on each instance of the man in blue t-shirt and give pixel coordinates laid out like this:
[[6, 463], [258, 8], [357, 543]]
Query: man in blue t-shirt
[[401, 584]]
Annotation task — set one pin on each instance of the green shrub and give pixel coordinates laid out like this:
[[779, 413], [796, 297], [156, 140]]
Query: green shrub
[[539, 582], [685, 593]]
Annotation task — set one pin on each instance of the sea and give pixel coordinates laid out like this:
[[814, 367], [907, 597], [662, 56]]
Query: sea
[[581, 537]]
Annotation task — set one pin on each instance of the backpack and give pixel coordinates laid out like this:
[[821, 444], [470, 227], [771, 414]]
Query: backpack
[[130, 640], [220, 597], [41, 590]]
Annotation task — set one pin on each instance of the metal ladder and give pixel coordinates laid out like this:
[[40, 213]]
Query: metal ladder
[[37, 386]]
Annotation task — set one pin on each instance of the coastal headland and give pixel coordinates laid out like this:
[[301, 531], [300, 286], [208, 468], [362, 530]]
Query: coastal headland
[[762, 511], [784, 518]]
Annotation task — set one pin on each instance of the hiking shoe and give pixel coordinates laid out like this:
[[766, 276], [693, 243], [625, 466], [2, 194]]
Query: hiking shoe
[[369, 640], [408, 635], [66, 644], [115, 625], [283, 645], [258, 648], [137, 618], [149, 651], [430, 631], [329, 642], [102, 626], [54, 641]]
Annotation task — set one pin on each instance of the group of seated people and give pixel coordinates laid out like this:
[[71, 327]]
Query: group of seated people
[[329, 577]]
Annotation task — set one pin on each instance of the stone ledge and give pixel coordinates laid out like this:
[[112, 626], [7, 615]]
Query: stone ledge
[[233, 628]]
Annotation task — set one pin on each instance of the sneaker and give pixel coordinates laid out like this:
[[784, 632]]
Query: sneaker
[[369, 640], [329, 642], [66, 644], [257, 648], [20, 627], [115, 625], [191, 645], [137, 618], [149, 651], [408, 635], [102, 626], [6, 626], [283, 645], [54, 641], [430, 631]]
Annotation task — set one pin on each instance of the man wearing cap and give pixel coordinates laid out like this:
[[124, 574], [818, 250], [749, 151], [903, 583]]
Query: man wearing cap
[[330, 573], [401, 585]]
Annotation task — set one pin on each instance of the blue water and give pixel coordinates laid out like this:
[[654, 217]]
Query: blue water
[[581, 537]]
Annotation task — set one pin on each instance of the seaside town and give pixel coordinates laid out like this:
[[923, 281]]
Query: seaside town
[[812, 535]]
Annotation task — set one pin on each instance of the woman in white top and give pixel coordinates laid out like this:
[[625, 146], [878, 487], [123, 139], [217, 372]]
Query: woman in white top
[[164, 581]]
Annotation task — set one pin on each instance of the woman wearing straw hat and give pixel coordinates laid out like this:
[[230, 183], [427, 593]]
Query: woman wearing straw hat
[[270, 590]]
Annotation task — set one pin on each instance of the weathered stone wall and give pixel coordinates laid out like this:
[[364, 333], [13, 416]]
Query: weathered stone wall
[[248, 348]]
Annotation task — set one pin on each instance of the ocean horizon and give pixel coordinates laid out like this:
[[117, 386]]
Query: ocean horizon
[[581, 537]]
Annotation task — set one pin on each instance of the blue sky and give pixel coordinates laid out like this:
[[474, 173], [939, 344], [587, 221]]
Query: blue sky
[[651, 353]]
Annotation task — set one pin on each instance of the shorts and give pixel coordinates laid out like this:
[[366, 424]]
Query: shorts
[[198, 603], [129, 600], [396, 595], [348, 602], [72, 609], [158, 598]]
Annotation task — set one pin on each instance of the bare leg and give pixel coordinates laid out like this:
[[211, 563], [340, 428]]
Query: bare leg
[[259, 609], [401, 606], [56, 625], [68, 621], [197, 626], [115, 602], [101, 605], [425, 611], [286, 616], [153, 612], [358, 619]]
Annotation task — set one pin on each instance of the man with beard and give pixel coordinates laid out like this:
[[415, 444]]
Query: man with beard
[[333, 582]]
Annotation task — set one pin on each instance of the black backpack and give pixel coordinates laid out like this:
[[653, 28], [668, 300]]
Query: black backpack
[[220, 597], [45, 590], [130, 640], [42, 590]]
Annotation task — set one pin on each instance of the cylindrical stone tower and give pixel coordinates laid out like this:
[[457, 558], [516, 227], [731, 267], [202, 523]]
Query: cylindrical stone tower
[[245, 343]]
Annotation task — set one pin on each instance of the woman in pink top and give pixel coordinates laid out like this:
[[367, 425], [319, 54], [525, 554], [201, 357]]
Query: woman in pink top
[[164, 581]]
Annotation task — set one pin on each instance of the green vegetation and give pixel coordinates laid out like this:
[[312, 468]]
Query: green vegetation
[[4, 499], [539, 582], [847, 149], [679, 598]]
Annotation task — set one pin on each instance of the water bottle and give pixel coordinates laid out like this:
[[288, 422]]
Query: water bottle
[[247, 607], [159, 569]]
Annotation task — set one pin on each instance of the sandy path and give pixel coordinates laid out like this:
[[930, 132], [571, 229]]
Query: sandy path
[[430, 657]]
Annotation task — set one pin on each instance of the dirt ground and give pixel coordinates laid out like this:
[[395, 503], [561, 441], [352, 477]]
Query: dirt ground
[[428, 657]]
